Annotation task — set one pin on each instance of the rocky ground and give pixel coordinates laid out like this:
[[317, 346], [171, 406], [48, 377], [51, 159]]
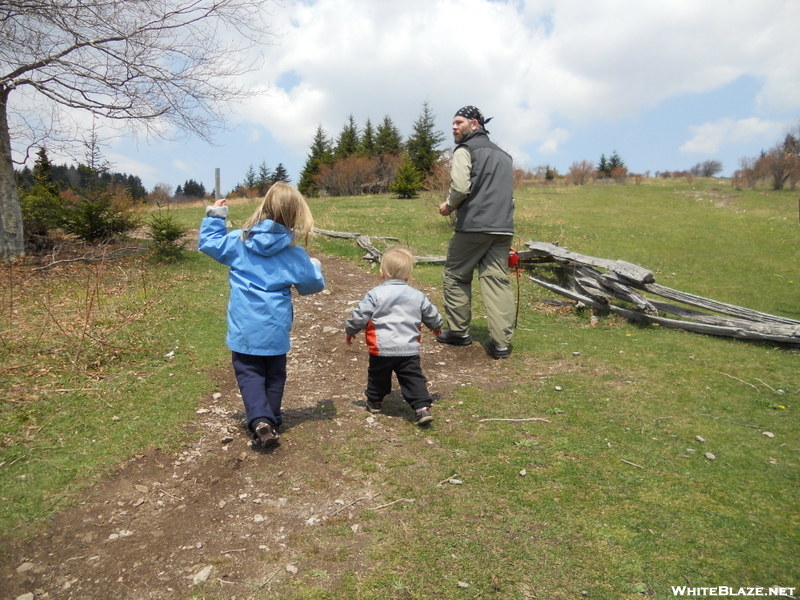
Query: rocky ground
[[233, 519]]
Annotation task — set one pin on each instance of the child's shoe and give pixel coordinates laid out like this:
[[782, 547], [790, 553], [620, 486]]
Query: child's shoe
[[374, 406], [266, 434], [423, 417]]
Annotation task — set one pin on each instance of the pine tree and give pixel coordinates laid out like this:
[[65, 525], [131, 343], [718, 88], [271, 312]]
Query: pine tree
[[320, 154], [614, 161], [42, 208], [250, 180], [265, 177], [602, 167], [408, 180], [280, 174], [368, 147], [348, 142], [423, 144], [388, 139]]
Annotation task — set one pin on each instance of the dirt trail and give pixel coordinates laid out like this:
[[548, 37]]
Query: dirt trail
[[219, 510]]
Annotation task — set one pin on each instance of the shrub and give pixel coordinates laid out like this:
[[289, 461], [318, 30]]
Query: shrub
[[99, 215], [408, 180], [166, 236], [580, 172]]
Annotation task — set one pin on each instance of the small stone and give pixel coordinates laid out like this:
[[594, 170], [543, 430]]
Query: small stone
[[115, 418], [691, 450], [558, 388], [142, 488], [26, 566], [202, 411], [216, 395], [28, 596], [291, 569], [355, 528], [700, 439], [202, 576], [455, 481], [463, 584], [576, 354], [370, 420], [710, 456], [258, 518], [523, 473], [226, 440], [769, 434]]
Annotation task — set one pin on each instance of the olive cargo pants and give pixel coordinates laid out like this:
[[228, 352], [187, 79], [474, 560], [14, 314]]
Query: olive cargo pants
[[489, 254]]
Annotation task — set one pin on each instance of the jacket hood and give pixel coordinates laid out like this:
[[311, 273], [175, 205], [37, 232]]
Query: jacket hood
[[268, 237]]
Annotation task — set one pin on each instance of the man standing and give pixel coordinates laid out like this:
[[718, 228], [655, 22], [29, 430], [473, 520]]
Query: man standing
[[481, 189]]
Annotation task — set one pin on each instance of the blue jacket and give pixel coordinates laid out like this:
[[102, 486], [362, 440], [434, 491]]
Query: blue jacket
[[262, 271]]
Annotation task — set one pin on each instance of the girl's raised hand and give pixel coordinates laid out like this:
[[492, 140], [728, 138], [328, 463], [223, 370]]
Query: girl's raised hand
[[221, 202]]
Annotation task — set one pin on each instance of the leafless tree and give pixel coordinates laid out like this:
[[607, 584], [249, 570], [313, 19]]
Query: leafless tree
[[580, 172], [155, 67]]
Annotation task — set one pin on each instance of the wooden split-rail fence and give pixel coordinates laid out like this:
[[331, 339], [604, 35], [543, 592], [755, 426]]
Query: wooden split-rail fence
[[597, 282]]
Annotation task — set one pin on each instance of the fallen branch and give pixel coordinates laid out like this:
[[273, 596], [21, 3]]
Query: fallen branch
[[447, 479], [93, 257], [627, 462], [271, 577], [237, 550], [354, 501], [517, 420], [739, 380], [409, 500]]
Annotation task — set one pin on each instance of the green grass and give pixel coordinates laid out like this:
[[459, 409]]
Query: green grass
[[581, 520]]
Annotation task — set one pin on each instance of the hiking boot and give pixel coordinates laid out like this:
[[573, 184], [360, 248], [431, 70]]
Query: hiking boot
[[266, 434], [423, 417], [497, 352], [374, 406], [454, 339]]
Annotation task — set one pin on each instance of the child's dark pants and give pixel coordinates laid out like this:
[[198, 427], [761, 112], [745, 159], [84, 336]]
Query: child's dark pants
[[261, 381], [413, 384]]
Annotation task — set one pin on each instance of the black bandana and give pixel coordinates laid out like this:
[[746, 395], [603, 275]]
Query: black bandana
[[471, 112]]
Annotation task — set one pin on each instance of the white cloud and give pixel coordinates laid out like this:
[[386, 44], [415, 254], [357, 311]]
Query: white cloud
[[553, 141], [710, 137], [526, 63]]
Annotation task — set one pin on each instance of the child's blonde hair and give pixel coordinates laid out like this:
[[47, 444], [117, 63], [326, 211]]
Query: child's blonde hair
[[397, 263], [283, 204]]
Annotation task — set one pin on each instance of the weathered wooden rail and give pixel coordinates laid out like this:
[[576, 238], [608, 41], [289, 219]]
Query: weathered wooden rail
[[584, 282], [594, 282]]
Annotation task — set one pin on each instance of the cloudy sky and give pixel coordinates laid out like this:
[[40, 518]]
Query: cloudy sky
[[664, 84]]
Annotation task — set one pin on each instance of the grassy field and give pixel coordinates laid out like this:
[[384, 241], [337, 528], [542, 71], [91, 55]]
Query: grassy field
[[546, 511]]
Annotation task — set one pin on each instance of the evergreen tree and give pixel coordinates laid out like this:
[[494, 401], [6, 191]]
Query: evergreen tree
[[614, 161], [42, 209], [602, 167], [408, 180], [388, 139], [280, 174], [193, 189], [368, 146], [100, 210], [423, 144], [250, 180], [265, 177], [348, 142], [320, 154]]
